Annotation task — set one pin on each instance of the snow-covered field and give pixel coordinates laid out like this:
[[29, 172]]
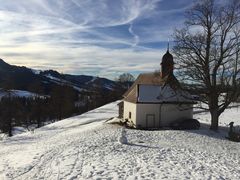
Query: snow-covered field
[[86, 147], [18, 93]]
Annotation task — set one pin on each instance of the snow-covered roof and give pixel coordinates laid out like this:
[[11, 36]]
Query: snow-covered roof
[[161, 94], [152, 88]]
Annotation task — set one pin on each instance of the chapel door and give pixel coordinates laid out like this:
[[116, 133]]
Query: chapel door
[[150, 121]]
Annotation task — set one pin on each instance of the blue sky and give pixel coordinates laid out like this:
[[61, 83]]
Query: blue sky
[[93, 37]]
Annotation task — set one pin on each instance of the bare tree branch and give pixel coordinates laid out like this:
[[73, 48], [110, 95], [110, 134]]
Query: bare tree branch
[[208, 52]]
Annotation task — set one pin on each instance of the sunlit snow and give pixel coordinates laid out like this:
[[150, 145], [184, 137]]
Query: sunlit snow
[[86, 147]]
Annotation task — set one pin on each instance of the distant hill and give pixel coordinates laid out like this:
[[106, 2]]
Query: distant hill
[[31, 97], [80, 82], [23, 78], [15, 77]]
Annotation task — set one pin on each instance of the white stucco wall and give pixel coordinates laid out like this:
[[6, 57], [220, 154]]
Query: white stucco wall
[[156, 115], [130, 107], [164, 114], [172, 112], [147, 109]]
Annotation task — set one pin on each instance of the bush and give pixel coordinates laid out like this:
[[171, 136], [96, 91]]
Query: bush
[[187, 124]]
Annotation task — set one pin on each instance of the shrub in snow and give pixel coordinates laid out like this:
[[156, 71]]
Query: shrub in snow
[[123, 138], [232, 134], [186, 124]]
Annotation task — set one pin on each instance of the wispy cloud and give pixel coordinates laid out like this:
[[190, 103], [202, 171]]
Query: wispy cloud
[[102, 37], [135, 36]]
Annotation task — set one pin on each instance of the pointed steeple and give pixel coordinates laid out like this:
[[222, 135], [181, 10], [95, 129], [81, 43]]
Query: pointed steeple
[[167, 63]]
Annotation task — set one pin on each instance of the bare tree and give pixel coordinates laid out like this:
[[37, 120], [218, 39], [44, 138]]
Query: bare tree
[[7, 105], [208, 50], [126, 77]]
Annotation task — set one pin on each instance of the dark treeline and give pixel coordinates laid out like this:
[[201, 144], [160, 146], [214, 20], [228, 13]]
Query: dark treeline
[[62, 102]]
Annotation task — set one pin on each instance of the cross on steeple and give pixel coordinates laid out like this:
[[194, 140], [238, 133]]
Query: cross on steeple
[[168, 45]]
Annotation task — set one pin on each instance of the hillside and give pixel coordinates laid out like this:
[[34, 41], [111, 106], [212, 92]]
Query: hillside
[[64, 95], [86, 147], [23, 78]]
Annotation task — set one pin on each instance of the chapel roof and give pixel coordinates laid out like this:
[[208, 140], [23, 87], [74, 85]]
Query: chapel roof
[[152, 79]]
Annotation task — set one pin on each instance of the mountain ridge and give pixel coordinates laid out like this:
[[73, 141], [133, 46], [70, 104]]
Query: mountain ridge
[[24, 78]]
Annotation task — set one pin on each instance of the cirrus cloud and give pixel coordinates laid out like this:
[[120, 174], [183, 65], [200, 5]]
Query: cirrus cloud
[[103, 37]]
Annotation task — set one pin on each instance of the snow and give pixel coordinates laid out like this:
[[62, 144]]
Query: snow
[[62, 81], [153, 93], [109, 87], [230, 114], [86, 147], [55, 79], [78, 88], [18, 93], [18, 130], [35, 71], [92, 80]]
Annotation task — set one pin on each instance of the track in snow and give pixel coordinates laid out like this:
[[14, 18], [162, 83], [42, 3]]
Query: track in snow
[[85, 147]]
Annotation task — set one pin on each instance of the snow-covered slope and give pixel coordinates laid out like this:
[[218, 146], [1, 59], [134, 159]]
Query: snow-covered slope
[[18, 93], [86, 147]]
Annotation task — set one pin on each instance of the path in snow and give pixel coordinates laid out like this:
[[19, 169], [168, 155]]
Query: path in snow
[[85, 147]]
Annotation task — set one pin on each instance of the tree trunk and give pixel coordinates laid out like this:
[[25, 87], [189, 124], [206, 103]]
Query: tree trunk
[[10, 127], [10, 132], [214, 119], [39, 122]]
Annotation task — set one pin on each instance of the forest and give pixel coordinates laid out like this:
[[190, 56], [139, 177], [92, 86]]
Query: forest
[[64, 101]]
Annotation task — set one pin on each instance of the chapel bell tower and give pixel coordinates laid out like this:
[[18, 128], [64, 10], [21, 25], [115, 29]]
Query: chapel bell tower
[[167, 64]]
